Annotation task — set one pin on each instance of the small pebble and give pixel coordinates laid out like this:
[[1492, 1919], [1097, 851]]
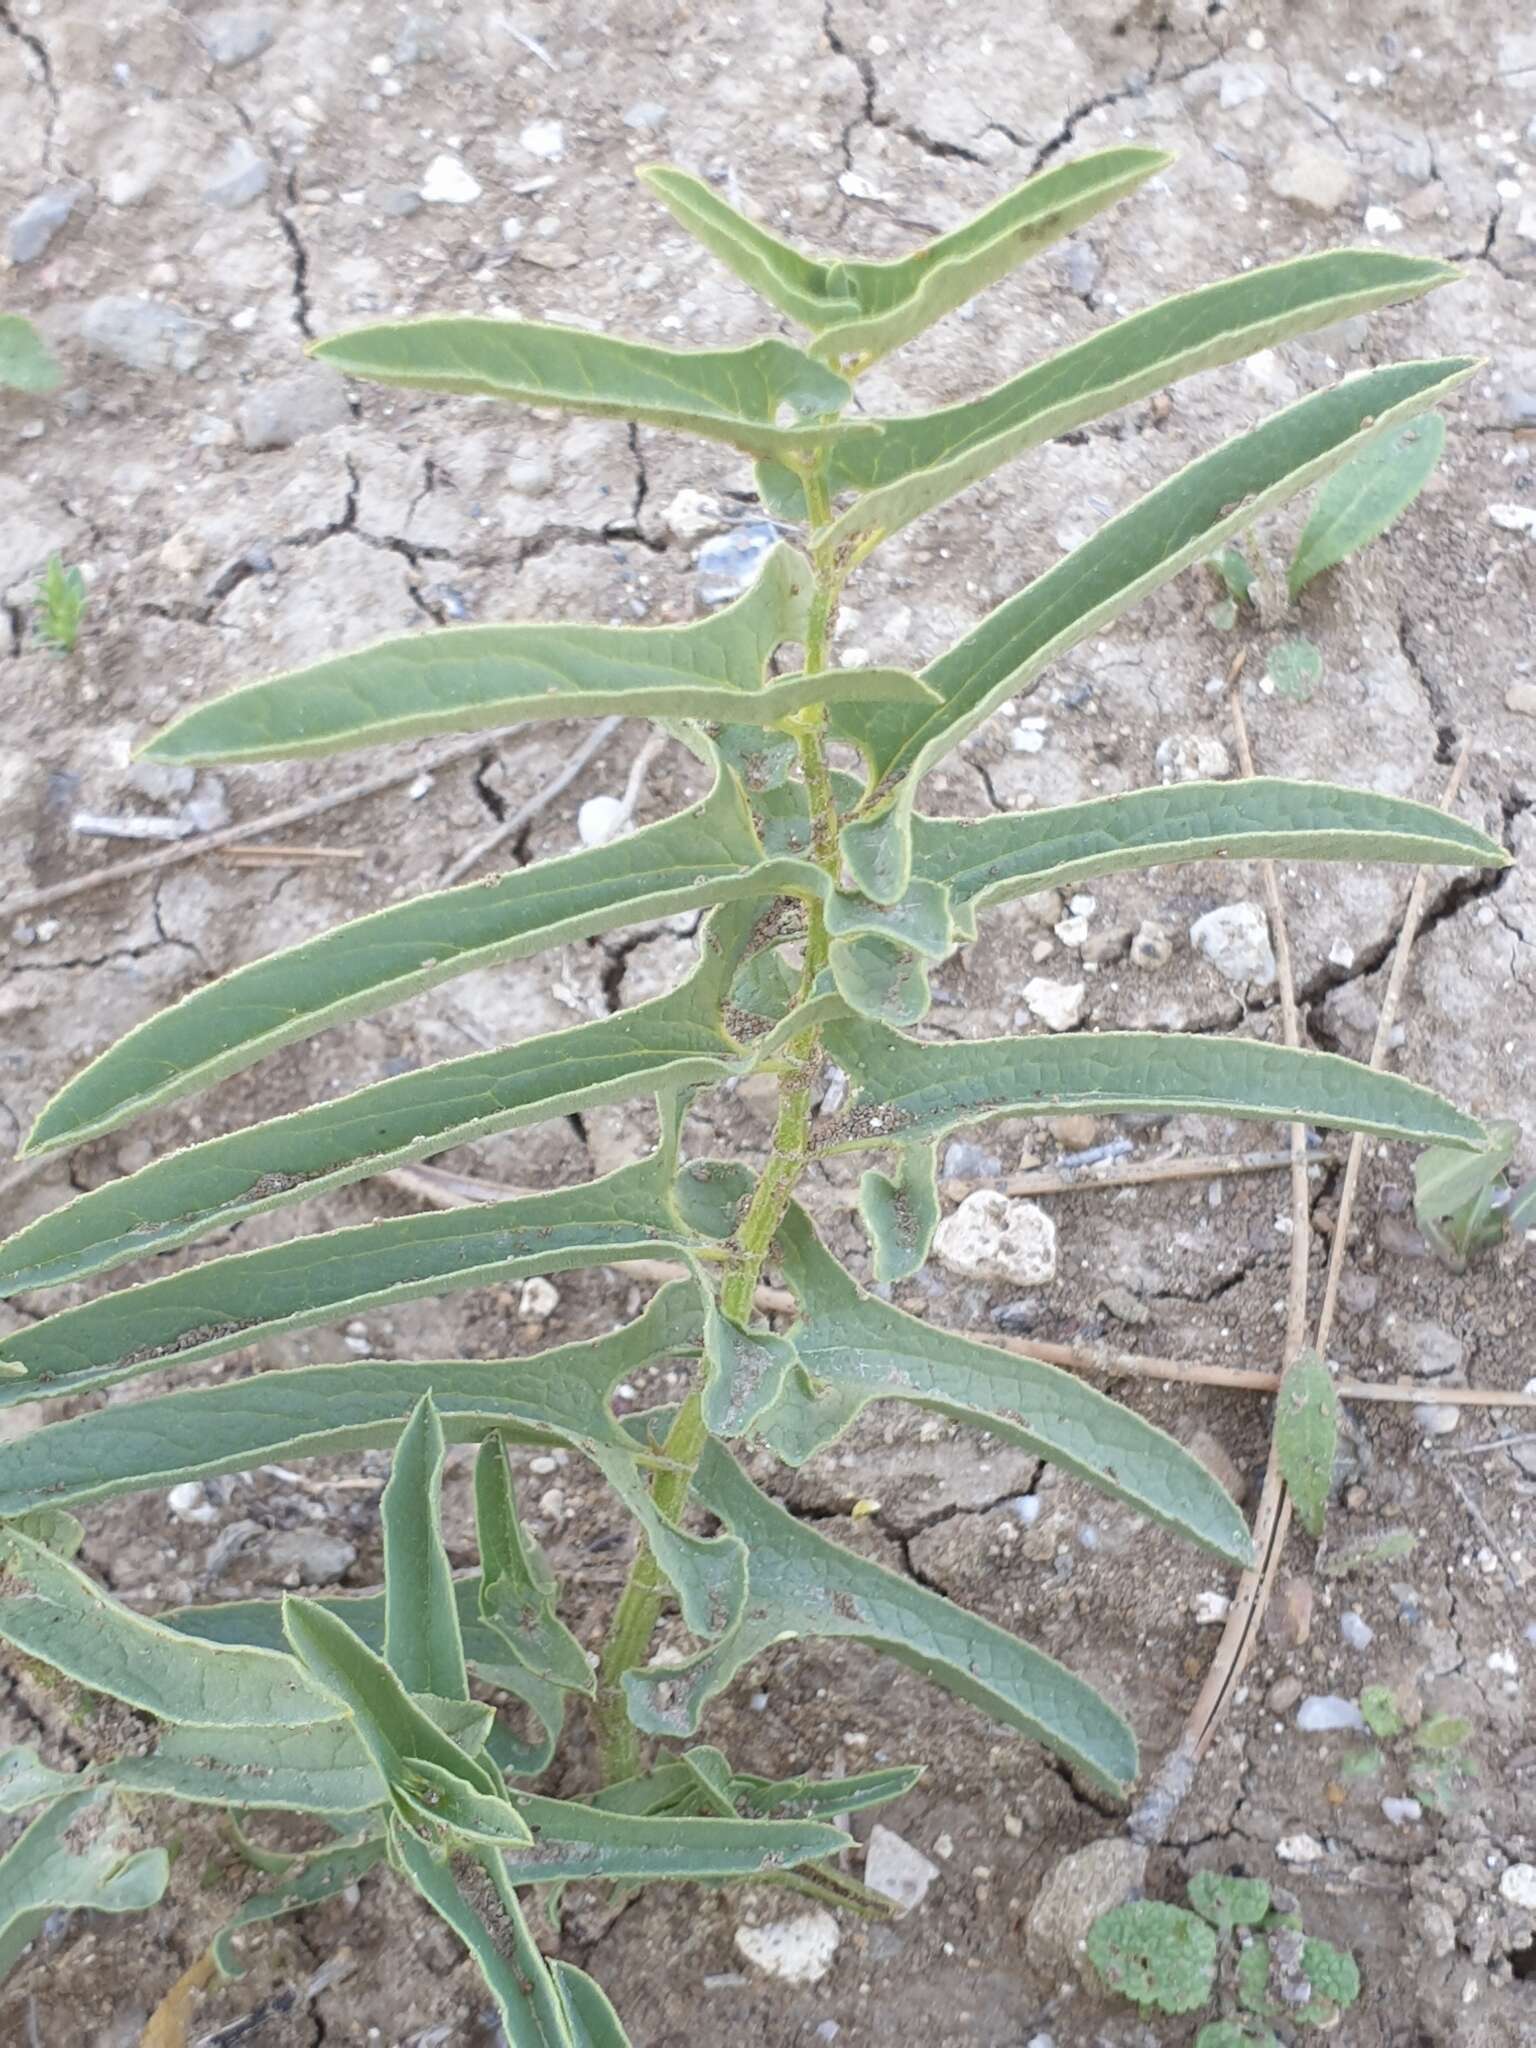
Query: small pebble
[[1324, 1713], [1300, 1849], [448, 183], [1437, 1418], [1402, 1813], [1357, 1633], [896, 1870], [538, 1300], [1518, 1886], [545, 140], [598, 820]]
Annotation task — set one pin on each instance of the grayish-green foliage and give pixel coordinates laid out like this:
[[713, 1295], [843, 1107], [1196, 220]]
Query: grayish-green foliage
[[831, 899]]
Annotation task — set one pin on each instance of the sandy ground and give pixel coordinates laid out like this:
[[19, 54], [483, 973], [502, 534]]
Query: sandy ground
[[256, 178]]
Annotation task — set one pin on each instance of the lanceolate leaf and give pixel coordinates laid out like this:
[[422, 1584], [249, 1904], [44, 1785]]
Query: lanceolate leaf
[[225, 1303], [322, 1768], [854, 1349], [259, 1625], [591, 2019], [673, 1042], [920, 460], [1360, 501], [1174, 525], [53, 1611], [422, 1645], [906, 1090], [990, 860], [1307, 1436], [802, 1585], [724, 394], [468, 677], [470, 1890], [863, 310], [573, 1841], [320, 1876], [75, 1857], [517, 1587]]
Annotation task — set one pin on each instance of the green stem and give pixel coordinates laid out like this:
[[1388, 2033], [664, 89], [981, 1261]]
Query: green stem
[[646, 1588]]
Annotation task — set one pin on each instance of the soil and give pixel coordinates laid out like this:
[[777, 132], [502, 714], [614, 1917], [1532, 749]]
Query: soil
[[210, 563]]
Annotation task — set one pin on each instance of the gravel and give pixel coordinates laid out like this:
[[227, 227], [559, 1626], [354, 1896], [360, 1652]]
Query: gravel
[[40, 220]]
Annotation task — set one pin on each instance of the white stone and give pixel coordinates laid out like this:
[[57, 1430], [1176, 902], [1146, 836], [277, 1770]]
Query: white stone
[[1356, 1631], [1300, 1849], [798, 1951], [1514, 518], [1235, 939], [538, 1300], [1211, 1609], [545, 140], [1402, 1813], [1381, 220], [189, 1503], [1518, 1886], [1058, 1004], [692, 515], [896, 1870], [1192, 757], [598, 819], [1323, 1713], [992, 1237], [448, 183]]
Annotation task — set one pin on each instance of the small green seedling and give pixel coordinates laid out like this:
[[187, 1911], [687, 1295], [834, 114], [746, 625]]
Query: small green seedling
[[26, 362], [61, 602], [1307, 1437], [832, 900], [1432, 1757], [1464, 1203], [1168, 1959]]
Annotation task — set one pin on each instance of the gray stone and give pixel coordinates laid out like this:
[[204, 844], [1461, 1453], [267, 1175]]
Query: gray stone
[[232, 36], [728, 565], [1235, 939], [278, 414], [1356, 1630], [1081, 1888], [144, 334], [318, 1559], [241, 176], [1437, 1418], [1518, 406], [991, 1237], [647, 115], [1427, 1349], [1314, 180], [40, 220], [1153, 944], [1326, 1713], [896, 1870], [399, 202], [966, 1161], [1081, 265]]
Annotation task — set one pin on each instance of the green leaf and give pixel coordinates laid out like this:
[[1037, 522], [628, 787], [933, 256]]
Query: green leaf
[[1230, 564], [1442, 1732], [1180, 522], [1445, 1181], [259, 1624], [920, 460], [422, 1766], [592, 2021], [1229, 1902], [469, 1889], [52, 1611], [1294, 669], [901, 1213], [1332, 1972], [805, 1798], [675, 1041], [422, 1645], [746, 1369], [987, 861], [905, 1090], [25, 1780], [517, 1587], [854, 1349], [322, 1875], [466, 678], [322, 1768], [864, 310], [880, 980], [26, 362], [78, 1856], [733, 395], [1378, 1709], [580, 1842], [920, 919], [1160, 1957], [1367, 1552], [1307, 1436], [1361, 500], [1234, 2034], [701, 857], [800, 1585], [1267, 1988], [229, 1302]]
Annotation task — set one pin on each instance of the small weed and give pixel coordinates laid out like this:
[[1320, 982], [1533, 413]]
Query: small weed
[[1243, 1945], [61, 602], [1463, 1202]]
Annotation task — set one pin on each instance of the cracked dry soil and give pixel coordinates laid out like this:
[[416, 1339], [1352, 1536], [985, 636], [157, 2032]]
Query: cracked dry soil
[[210, 563]]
